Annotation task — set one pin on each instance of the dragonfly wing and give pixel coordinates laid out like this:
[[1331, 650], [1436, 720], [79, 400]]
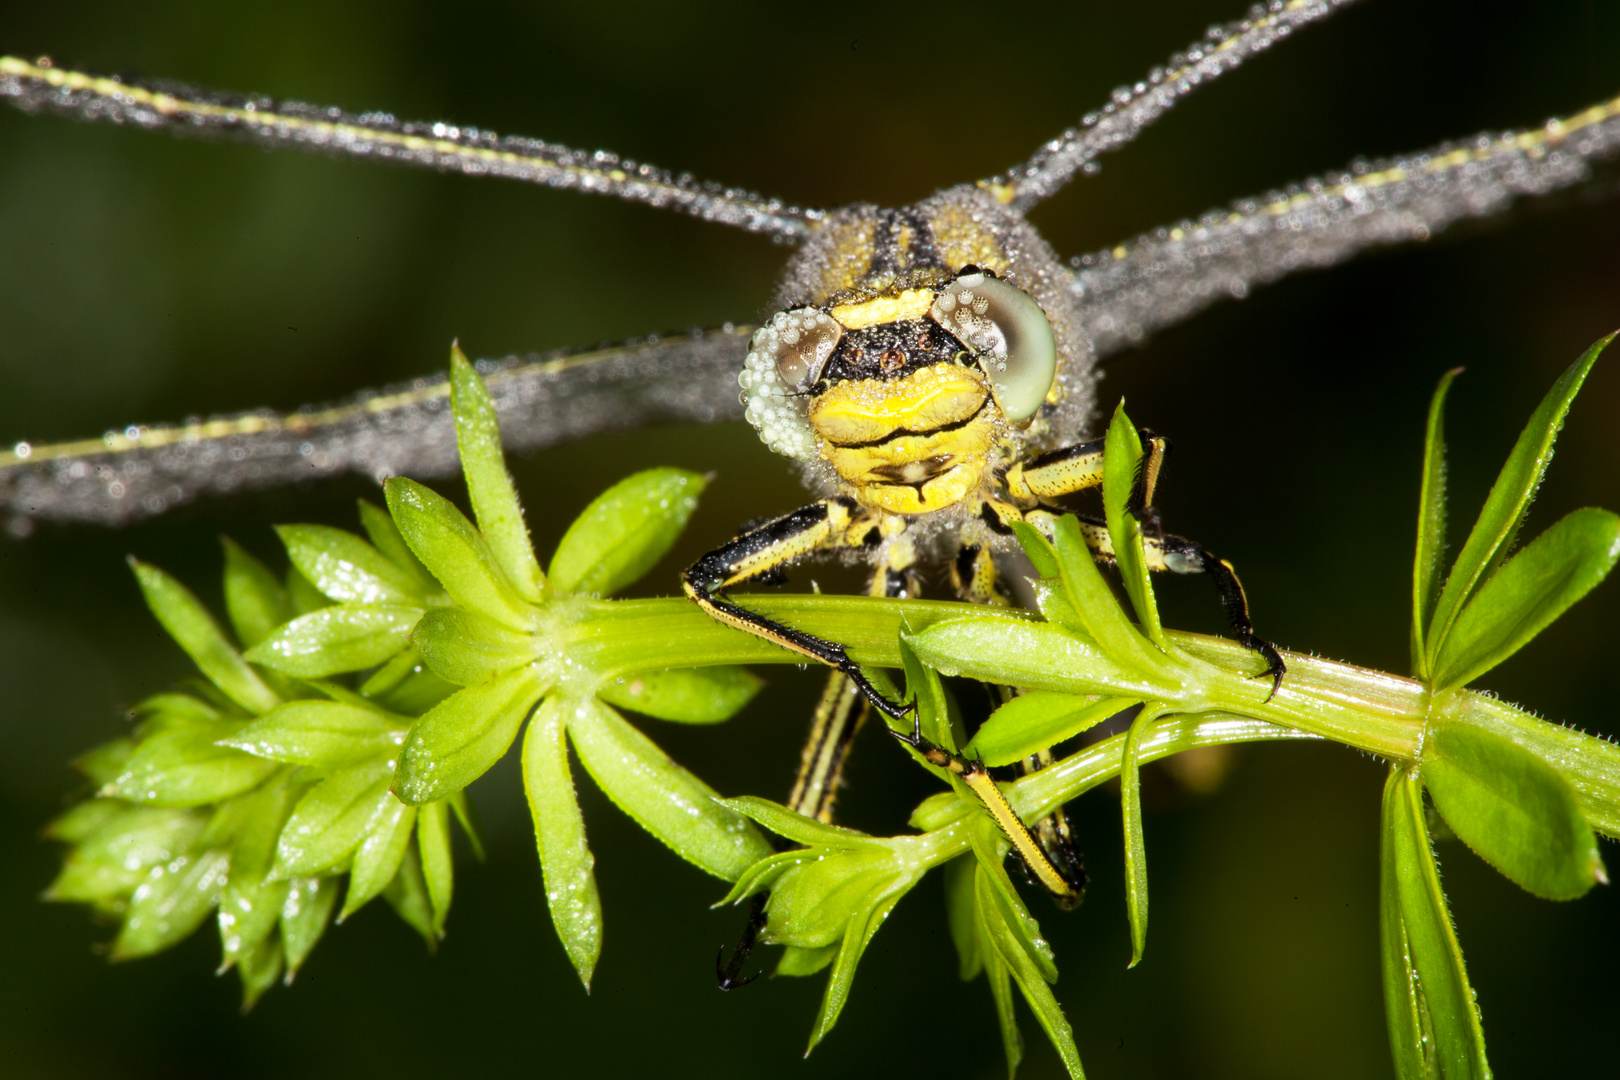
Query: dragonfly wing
[[400, 430], [1170, 274]]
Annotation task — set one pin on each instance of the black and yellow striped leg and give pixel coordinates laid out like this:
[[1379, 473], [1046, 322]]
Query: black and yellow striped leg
[[839, 716], [974, 576], [977, 778], [768, 548]]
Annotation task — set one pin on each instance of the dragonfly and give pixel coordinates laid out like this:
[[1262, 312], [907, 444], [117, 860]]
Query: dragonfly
[[1123, 294]]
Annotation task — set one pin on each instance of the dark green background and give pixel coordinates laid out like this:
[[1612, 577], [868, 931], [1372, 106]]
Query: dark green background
[[146, 279]]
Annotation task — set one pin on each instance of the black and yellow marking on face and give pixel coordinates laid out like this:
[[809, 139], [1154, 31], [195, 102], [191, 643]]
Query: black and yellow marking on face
[[914, 445]]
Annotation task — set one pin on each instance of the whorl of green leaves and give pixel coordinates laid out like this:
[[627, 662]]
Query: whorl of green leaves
[[337, 726]]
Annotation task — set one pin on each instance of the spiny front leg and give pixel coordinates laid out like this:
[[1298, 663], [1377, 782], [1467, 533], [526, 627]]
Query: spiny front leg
[[839, 716], [769, 547]]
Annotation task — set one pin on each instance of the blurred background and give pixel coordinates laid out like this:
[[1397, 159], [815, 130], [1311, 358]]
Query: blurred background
[[148, 279]]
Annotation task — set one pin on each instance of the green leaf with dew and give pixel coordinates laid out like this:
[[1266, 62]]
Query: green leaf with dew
[[302, 594], [378, 858], [455, 553], [336, 639], [258, 969], [1130, 809], [170, 903], [433, 846], [705, 695], [665, 799], [1002, 938], [346, 568], [255, 600], [1038, 720], [856, 938], [1434, 1024], [321, 734], [1431, 532], [961, 916], [625, 530], [189, 623], [407, 895], [1515, 810], [461, 737], [1530, 591], [332, 818], [1094, 602], [385, 537], [102, 764], [465, 648], [250, 906], [305, 915], [801, 962], [1122, 460], [559, 832], [489, 485], [186, 766], [118, 854], [80, 821], [1492, 535]]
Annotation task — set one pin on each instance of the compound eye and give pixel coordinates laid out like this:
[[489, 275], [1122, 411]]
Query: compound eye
[[799, 343], [1008, 333]]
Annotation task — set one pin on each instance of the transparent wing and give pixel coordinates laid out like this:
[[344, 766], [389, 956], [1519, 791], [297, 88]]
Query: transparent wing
[[1135, 107], [185, 110], [1167, 275], [399, 430]]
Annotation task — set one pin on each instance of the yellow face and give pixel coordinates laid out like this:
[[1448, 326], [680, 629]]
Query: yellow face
[[911, 354], [909, 446]]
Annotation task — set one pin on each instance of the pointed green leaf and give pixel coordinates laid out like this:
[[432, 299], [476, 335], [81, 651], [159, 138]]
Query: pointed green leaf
[[559, 832], [961, 914], [664, 798], [255, 601], [1516, 811], [1000, 980], [103, 763], [455, 553], [1130, 808], [1122, 457], [1493, 532], [1038, 720], [1529, 592], [346, 568], [462, 736], [118, 854], [322, 734], [1010, 949], [186, 767], [489, 485], [304, 917], [856, 939], [81, 821], [1042, 555], [407, 895], [1431, 532], [624, 531], [250, 906], [465, 648], [801, 962], [332, 818], [189, 623], [335, 639], [258, 969], [302, 594], [385, 538], [433, 845], [685, 695], [1433, 1018], [1094, 602], [170, 903], [467, 814], [989, 850], [377, 860]]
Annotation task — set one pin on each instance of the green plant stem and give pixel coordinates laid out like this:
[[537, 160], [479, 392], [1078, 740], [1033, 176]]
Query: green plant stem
[[1369, 710]]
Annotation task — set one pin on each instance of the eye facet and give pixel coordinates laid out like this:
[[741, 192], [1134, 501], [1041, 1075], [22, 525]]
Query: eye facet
[[800, 343], [1008, 333]]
